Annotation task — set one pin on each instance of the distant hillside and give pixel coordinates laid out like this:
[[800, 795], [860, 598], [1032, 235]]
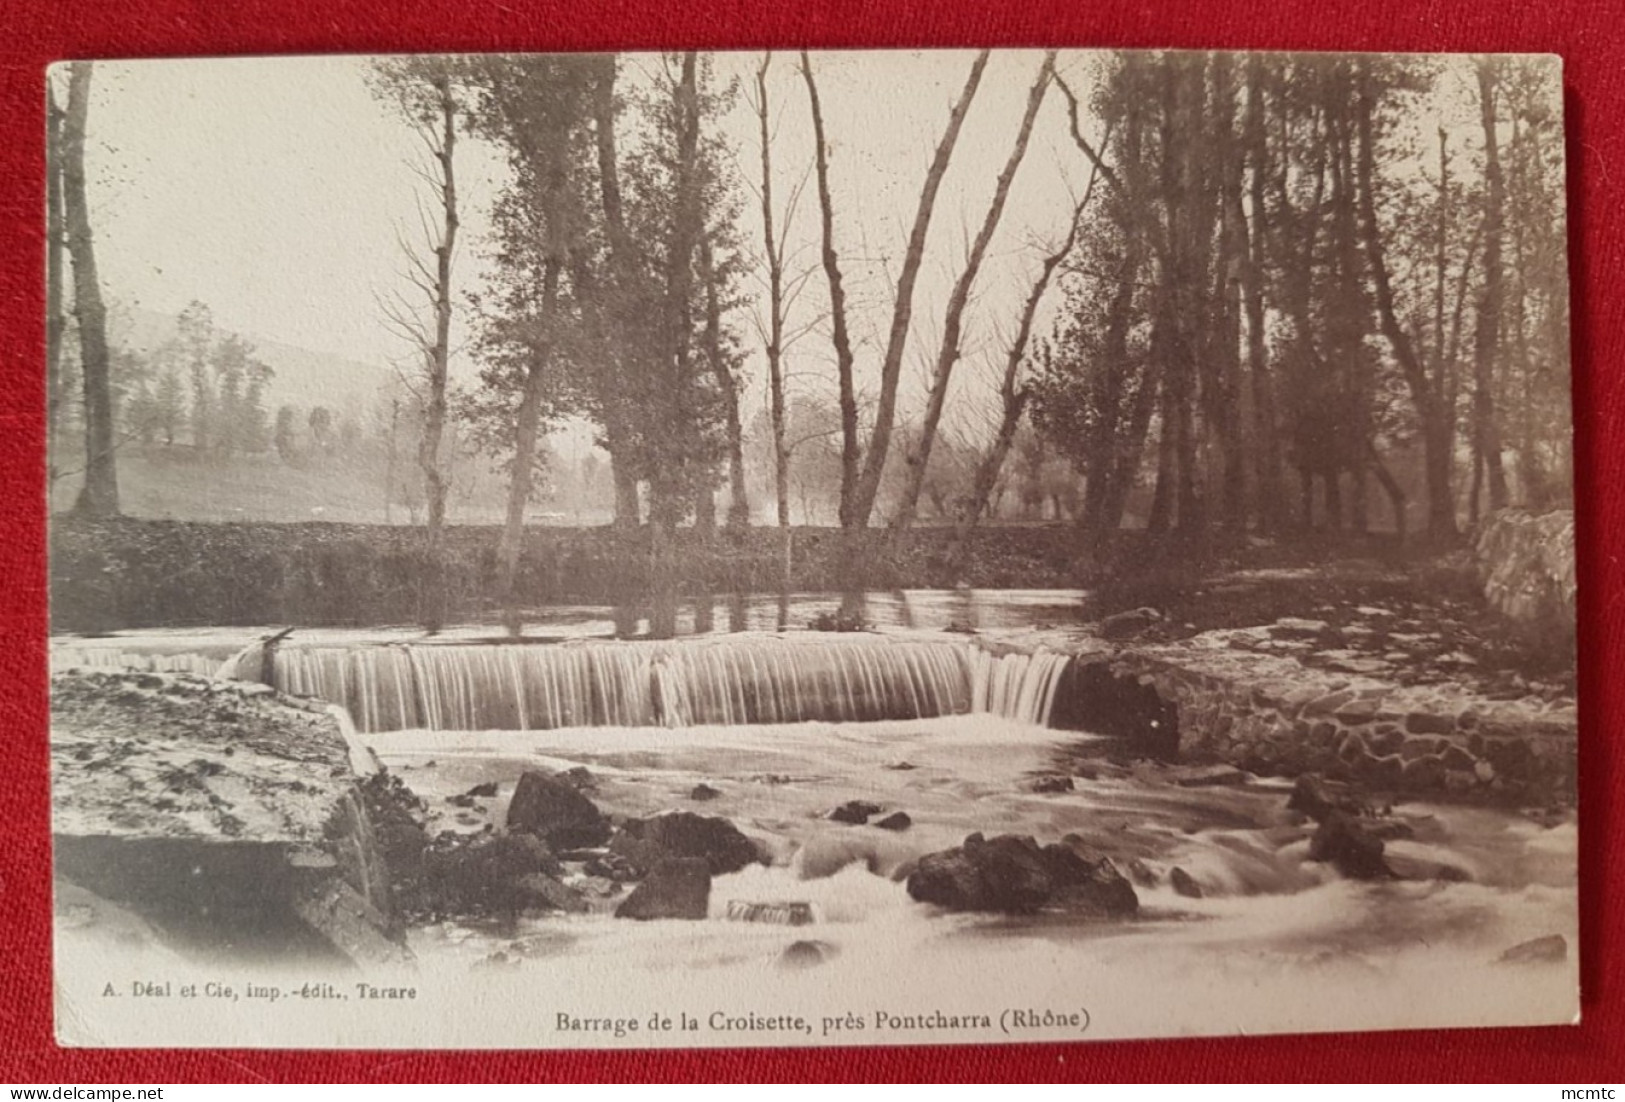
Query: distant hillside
[[303, 378], [171, 483]]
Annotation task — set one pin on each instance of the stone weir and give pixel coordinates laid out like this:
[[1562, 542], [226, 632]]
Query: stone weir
[[728, 680], [210, 816], [1213, 699], [1240, 696]]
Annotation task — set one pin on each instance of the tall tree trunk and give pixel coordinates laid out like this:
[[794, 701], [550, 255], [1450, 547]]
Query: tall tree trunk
[[1162, 493], [1225, 335], [1435, 419], [1129, 448], [627, 511], [1532, 477], [1349, 326], [775, 307], [622, 265], [99, 495], [1487, 338], [850, 457], [668, 488], [1181, 284], [527, 426], [54, 263], [891, 368], [738, 495], [1441, 265], [553, 171], [438, 358], [918, 459], [1268, 488], [1013, 396], [1100, 466]]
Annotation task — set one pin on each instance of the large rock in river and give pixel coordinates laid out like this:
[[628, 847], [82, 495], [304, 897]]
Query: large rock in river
[[646, 842], [1013, 874], [1343, 841], [1087, 883], [676, 888], [552, 810], [1345, 838]]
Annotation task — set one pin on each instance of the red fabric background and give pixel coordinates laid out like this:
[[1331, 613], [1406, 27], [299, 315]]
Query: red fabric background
[[1590, 37]]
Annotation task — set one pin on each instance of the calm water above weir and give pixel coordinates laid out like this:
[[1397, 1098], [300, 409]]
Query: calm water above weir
[[918, 609]]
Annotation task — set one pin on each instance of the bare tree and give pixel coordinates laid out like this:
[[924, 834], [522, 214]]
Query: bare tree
[[728, 386], [423, 88], [775, 304], [839, 336], [1487, 335], [919, 457], [667, 486], [1013, 396], [891, 368], [1427, 390], [99, 495]]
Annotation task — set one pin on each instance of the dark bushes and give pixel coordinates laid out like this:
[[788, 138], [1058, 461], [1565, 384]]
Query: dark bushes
[[124, 572]]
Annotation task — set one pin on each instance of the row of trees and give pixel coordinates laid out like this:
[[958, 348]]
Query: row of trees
[[1287, 273], [615, 272], [613, 269], [1282, 268], [1035, 481], [202, 390], [1339, 274]]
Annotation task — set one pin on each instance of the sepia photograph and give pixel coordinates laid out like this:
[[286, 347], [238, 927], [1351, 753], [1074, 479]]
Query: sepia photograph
[[697, 549]]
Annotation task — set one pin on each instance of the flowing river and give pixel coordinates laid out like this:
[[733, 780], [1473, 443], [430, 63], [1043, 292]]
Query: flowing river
[[783, 728]]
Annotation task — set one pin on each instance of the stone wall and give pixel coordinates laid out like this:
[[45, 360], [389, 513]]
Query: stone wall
[[1273, 715]]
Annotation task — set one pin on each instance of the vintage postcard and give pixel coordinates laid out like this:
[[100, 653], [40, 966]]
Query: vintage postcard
[[719, 549]]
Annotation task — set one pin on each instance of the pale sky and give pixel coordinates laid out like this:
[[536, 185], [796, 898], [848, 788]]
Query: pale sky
[[274, 189]]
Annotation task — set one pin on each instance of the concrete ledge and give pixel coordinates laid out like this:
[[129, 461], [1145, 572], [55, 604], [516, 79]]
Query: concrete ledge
[[210, 807]]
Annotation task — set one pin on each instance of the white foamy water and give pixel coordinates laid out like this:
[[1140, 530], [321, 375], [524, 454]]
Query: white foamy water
[[717, 680], [785, 729], [1277, 943]]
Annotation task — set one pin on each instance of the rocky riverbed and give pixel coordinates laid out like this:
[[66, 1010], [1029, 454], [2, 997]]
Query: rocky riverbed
[[1014, 839], [1318, 799], [888, 867]]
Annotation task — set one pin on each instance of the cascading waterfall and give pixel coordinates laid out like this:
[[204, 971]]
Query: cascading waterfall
[[1018, 686], [631, 684], [109, 658]]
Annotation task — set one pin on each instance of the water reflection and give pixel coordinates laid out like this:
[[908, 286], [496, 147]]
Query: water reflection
[[627, 621], [663, 613], [965, 610], [921, 609], [904, 608]]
